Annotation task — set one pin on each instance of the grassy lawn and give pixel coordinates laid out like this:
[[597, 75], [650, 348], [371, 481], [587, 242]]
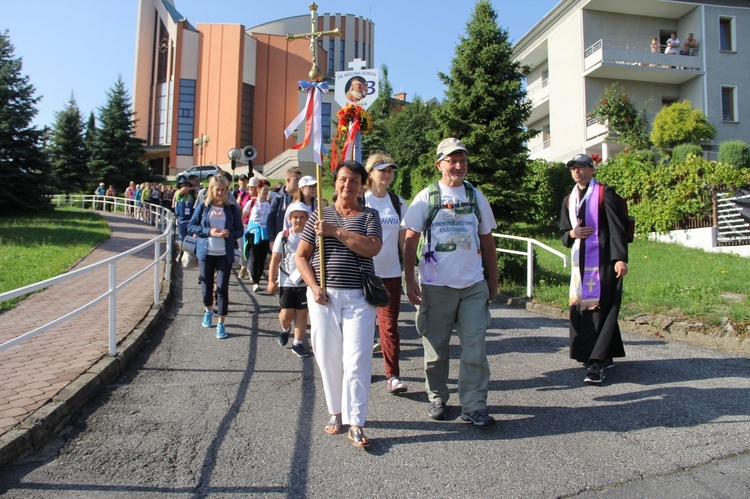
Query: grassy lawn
[[37, 247], [663, 279]]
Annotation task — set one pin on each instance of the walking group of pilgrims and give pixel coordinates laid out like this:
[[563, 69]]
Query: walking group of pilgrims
[[439, 251]]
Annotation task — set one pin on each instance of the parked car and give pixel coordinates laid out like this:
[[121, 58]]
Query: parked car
[[204, 172]]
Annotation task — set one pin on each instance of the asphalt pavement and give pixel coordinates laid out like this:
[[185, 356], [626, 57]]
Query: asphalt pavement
[[194, 416]]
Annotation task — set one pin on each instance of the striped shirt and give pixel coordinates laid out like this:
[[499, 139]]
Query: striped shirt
[[342, 265]]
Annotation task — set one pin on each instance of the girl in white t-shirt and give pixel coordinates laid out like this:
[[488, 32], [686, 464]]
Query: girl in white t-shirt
[[381, 171], [292, 289], [256, 212]]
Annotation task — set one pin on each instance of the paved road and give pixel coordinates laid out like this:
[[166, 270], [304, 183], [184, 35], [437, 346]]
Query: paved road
[[194, 416]]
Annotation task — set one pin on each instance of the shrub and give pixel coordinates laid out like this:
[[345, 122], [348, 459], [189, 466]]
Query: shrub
[[623, 118], [546, 185], [682, 151], [679, 123], [735, 153]]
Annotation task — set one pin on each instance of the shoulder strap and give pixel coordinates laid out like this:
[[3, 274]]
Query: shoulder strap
[[471, 195], [433, 193], [396, 202]]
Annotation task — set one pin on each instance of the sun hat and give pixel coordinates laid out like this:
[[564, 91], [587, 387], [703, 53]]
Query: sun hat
[[380, 166]]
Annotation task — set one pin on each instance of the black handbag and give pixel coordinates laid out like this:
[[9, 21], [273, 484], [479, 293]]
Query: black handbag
[[376, 293]]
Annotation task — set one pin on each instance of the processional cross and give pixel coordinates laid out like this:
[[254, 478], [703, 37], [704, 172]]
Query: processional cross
[[315, 76], [313, 35]]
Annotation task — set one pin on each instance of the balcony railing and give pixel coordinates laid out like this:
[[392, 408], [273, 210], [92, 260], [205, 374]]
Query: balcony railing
[[540, 147], [618, 52], [537, 87]]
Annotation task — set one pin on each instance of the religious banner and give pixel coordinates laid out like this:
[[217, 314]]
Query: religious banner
[[358, 86]]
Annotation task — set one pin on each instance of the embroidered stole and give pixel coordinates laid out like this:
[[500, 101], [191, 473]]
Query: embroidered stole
[[586, 291]]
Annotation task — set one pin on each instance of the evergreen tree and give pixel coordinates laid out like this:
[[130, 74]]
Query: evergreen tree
[[67, 150], [380, 110], [486, 108], [22, 162], [90, 134], [116, 151], [408, 142]]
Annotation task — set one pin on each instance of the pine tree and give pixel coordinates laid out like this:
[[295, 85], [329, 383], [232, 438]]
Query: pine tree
[[22, 162], [67, 150], [486, 107], [90, 134], [116, 151], [408, 141], [380, 109]]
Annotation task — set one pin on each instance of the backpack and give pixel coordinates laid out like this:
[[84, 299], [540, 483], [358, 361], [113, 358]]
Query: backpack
[[433, 191], [396, 203], [629, 221]]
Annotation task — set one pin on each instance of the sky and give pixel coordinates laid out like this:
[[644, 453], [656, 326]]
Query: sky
[[80, 47]]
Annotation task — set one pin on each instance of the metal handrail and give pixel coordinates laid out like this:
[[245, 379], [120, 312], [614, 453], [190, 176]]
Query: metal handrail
[[163, 217], [529, 257]]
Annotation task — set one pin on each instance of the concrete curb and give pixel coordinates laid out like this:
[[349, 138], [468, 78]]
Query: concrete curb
[[52, 417], [659, 326]]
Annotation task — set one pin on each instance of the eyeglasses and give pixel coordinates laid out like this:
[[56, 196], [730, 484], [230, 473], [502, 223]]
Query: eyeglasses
[[452, 162]]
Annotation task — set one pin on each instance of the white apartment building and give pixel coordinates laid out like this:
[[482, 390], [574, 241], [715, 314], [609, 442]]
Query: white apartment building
[[582, 46]]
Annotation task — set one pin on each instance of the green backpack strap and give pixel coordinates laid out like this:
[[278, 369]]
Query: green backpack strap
[[471, 195]]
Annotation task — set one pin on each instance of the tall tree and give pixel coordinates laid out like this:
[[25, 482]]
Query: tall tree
[[67, 149], [408, 141], [380, 109], [22, 162], [90, 134], [116, 150], [486, 107]]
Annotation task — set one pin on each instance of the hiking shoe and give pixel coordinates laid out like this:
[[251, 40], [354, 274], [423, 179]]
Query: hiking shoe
[[480, 417], [300, 350], [221, 331], [608, 364], [595, 373], [437, 410], [208, 316], [395, 386], [284, 337], [256, 287]]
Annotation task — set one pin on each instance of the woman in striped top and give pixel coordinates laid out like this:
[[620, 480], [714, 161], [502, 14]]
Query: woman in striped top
[[342, 322]]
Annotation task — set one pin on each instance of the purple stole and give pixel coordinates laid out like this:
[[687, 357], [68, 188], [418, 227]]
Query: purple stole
[[586, 291]]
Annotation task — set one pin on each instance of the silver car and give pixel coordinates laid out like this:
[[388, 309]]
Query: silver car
[[204, 172]]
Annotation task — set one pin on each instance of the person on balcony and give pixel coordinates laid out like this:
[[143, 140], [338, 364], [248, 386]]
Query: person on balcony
[[690, 46], [673, 45]]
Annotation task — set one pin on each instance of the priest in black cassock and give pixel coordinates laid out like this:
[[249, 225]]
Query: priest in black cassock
[[593, 225]]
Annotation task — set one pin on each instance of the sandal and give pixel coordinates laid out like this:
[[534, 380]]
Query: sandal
[[333, 427], [358, 438]]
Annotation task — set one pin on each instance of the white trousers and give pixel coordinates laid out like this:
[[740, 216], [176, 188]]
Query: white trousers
[[342, 337]]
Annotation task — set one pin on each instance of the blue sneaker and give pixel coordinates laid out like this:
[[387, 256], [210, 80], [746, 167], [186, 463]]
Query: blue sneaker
[[221, 331], [208, 316]]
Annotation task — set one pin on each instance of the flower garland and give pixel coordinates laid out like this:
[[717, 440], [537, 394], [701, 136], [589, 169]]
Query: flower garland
[[351, 112], [353, 120]]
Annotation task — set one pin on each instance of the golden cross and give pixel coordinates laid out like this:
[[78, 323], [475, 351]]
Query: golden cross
[[315, 74]]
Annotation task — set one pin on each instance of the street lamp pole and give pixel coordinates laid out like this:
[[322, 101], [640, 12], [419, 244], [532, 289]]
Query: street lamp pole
[[201, 142]]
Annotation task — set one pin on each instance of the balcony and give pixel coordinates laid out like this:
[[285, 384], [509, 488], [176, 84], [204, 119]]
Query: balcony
[[541, 150], [538, 94], [619, 60]]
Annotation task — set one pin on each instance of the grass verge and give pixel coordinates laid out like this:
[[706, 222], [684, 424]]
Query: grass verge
[[40, 246], [666, 279]]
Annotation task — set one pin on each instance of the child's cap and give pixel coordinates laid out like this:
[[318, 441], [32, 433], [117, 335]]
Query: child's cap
[[298, 206]]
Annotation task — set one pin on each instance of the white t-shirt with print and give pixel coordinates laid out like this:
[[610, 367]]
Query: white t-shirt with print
[[287, 265], [386, 262], [454, 235]]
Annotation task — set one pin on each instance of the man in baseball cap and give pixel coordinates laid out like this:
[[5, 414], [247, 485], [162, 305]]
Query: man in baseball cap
[[457, 241], [580, 159]]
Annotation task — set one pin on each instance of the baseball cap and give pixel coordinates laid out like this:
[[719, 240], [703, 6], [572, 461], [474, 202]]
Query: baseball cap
[[254, 182], [243, 176], [380, 166], [448, 147], [297, 206], [581, 159], [307, 180], [101, 184]]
